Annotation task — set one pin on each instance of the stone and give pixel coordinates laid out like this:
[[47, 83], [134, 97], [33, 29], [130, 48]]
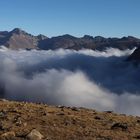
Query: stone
[[137, 137], [122, 126], [61, 114], [3, 100], [35, 135], [74, 109], [2, 115], [109, 111], [97, 118], [8, 134]]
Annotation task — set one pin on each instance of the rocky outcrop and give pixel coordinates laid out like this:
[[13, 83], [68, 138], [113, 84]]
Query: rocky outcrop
[[135, 56], [19, 39]]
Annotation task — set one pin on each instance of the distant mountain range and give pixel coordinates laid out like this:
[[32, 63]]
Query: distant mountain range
[[19, 39]]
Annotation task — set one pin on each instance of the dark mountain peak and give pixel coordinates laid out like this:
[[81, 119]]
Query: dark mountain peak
[[135, 56], [87, 37], [67, 36], [18, 31], [42, 37], [129, 38], [99, 39]]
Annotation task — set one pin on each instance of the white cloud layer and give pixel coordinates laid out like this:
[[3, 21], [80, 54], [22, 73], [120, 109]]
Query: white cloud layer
[[86, 78]]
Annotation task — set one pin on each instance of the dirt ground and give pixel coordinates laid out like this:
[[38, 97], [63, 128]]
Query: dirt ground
[[30, 121]]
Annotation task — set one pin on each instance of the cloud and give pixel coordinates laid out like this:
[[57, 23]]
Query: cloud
[[86, 78]]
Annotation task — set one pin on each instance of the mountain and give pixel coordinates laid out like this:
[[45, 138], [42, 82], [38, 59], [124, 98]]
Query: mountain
[[88, 42], [135, 55], [18, 38], [30, 121]]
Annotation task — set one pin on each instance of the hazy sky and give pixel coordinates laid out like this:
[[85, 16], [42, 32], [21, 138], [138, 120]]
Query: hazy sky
[[108, 18]]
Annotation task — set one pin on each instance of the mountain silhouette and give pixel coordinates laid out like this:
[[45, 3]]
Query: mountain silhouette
[[20, 39]]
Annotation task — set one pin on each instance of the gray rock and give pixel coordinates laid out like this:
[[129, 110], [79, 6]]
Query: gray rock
[[35, 135], [123, 126]]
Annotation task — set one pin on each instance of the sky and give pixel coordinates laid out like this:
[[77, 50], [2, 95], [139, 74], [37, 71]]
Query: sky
[[108, 18]]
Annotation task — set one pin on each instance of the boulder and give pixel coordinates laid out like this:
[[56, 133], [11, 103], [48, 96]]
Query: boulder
[[35, 135]]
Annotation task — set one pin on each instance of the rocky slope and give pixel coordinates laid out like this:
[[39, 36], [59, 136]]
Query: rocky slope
[[135, 56], [18, 38], [29, 121], [88, 42]]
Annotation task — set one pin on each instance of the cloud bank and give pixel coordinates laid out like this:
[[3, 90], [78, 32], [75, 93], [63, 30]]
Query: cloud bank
[[85, 78]]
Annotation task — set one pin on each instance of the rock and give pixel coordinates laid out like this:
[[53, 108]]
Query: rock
[[97, 118], [137, 137], [1, 126], [8, 134], [109, 111], [60, 106], [35, 135], [74, 109], [25, 124], [3, 100], [61, 114], [22, 133], [123, 126], [2, 114], [138, 121], [19, 123], [103, 138]]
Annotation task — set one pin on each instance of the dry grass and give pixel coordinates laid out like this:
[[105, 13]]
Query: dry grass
[[18, 119]]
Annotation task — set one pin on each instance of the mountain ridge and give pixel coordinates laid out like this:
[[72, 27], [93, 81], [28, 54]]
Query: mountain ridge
[[20, 39]]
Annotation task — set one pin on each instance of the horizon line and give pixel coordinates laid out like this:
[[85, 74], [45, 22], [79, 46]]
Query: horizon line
[[37, 34]]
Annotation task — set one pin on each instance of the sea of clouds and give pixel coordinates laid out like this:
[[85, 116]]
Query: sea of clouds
[[85, 78]]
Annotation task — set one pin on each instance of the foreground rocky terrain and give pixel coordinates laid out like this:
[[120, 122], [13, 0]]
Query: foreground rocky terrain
[[19, 39], [30, 121]]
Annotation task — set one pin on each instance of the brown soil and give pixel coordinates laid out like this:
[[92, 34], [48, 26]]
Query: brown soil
[[18, 119]]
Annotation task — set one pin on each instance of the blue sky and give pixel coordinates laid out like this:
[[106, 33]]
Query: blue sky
[[109, 18]]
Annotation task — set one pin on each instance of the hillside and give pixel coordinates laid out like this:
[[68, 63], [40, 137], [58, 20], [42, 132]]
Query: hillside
[[135, 56], [19, 39], [22, 121]]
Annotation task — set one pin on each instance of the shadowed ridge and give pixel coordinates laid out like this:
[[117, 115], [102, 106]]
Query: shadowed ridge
[[135, 56], [20, 39]]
